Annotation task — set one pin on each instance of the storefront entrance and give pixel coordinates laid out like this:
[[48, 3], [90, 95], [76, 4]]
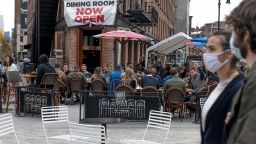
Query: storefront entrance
[[91, 59], [91, 49]]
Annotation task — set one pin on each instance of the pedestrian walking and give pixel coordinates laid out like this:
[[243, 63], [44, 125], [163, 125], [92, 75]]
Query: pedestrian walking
[[218, 58], [241, 126]]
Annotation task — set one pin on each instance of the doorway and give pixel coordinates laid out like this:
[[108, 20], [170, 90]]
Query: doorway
[[91, 49], [91, 59]]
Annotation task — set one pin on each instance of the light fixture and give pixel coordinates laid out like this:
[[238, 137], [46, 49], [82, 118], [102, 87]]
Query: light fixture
[[228, 2]]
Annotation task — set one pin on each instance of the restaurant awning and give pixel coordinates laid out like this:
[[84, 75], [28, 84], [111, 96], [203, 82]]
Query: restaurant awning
[[169, 45]]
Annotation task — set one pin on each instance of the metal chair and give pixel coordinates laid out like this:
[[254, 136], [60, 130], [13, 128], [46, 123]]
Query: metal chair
[[6, 128], [55, 122], [56, 126], [149, 91], [157, 130], [98, 87], [126, 88], [13, 78], [174, 101], [49, 80], [88, 134], [202, 101], [76, 85]]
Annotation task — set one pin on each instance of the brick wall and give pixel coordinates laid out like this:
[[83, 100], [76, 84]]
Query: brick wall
[[71, 49], [108, 53]]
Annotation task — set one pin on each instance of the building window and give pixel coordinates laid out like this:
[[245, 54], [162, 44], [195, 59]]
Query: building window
[[21, 38], [89, 40], [26, 21], [21, 48]]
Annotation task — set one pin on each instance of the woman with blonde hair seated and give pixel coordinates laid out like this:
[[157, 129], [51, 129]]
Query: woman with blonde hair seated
[[98, 74], [129, 78]]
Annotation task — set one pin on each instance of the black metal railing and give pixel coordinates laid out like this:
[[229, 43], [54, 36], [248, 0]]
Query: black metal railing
[[138, 13]]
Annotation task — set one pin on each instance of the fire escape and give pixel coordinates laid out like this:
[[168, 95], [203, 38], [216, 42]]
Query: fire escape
[[44, 27], [143, 14], [140, 15]]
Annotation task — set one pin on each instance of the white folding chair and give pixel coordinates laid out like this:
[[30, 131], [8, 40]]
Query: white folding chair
[[6, 128], [202, 101], [57, 126], [87, 134], [56, 123], [157, 129]]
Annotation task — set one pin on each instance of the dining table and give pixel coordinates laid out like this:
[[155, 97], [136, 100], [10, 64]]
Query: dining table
[[29, 77]]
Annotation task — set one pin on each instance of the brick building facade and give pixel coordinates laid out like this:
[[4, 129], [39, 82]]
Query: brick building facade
[[20, 29], [75, 45]]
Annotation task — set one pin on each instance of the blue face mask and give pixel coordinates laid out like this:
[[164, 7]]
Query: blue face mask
[[236, 51]]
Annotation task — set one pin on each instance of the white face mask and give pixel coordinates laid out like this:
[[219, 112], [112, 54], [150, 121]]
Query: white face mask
[[236, 51], [212, 63]]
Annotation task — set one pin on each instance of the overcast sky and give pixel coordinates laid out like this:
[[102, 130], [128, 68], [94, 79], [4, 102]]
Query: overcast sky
[[206, 11], [203, 11], [7, 10]]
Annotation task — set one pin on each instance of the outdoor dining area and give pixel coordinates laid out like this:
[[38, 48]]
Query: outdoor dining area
[[99, 106], [158, 91]]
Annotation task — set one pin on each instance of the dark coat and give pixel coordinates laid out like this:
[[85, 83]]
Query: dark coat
[[43, 67], [215, 120], [150, 81], [241, 128]]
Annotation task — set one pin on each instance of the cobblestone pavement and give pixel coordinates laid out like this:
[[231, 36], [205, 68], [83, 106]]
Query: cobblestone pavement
[[29, 130]]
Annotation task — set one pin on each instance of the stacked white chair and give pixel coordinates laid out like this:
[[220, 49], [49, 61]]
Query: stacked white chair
[[58, 128], [87, 134], [55, 123], [7, 129], [157, 130]]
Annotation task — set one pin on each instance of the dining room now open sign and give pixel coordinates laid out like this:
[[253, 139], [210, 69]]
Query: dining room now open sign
[[84, 12]]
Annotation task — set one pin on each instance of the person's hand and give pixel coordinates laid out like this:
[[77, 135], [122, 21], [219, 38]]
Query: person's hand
[[196, 65], [228, 117], [189, 90]]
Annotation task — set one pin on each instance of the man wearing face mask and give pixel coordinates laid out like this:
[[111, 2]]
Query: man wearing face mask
[[241, 126], [218, 58]]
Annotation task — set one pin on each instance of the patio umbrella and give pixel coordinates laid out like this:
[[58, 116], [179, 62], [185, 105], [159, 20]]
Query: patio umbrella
[[122, 36]]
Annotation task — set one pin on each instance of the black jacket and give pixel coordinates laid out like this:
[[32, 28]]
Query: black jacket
[[215, 120], [43, 67]]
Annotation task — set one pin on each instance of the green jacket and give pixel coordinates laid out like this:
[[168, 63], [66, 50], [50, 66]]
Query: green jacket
[[242, 126], [175, 82]]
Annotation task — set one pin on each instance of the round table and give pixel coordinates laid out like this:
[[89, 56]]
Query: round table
[[29, 77]]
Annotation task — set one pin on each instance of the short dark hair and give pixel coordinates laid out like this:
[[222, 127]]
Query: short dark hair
[[192, 68], [57, 66], [147, 71], [173, 71], [242, 18], [224, 37], [65, 64], [83, 65]]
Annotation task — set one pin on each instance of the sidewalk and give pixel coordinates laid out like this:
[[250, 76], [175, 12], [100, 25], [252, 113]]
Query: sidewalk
[[29, 130]]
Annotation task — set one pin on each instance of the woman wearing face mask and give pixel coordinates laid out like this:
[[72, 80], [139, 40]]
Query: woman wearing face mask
[[219, 59]]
